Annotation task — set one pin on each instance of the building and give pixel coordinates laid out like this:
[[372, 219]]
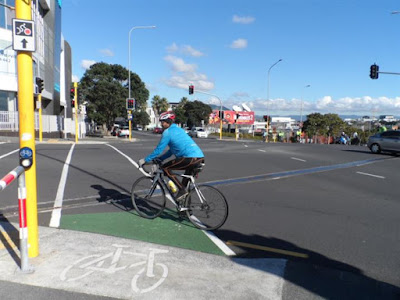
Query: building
[[51, 61]]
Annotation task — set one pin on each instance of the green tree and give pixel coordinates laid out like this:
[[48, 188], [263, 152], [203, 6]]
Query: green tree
[[328, 124], [104, 87], [180, 112], [141, 118], [159, 104], [197, 111]]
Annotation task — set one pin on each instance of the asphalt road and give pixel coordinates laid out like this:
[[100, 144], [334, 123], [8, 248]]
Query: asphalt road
[[333, 206]]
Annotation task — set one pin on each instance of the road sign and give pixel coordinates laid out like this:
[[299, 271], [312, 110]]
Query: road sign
[[23, 35]]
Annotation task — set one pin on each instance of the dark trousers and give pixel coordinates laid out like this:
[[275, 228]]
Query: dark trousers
[[181, 163]]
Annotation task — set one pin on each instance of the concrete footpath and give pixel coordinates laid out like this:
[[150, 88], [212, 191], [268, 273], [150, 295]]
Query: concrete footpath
[[80, 265]]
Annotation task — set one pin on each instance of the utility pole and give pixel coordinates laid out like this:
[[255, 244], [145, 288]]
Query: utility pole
[[27, 126]]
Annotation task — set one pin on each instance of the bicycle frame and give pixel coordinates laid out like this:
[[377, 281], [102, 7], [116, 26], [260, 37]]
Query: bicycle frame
[[158, 178]]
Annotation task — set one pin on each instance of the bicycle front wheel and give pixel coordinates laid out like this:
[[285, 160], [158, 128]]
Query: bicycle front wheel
[[148, 197], [207, 207]]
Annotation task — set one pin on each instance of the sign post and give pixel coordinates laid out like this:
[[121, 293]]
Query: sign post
[[24, 44]]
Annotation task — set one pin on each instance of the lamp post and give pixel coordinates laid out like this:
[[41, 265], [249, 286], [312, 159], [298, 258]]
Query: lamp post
[[129, 66], [269, 70], [301, 106]]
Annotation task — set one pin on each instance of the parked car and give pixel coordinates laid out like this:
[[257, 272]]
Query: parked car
[[201, 133], [157, 130], [123, 131], [385, 141], [193, 131]]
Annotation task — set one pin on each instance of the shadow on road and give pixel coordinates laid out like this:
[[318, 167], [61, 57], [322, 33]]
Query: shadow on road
[[9, 239], [315, 273]]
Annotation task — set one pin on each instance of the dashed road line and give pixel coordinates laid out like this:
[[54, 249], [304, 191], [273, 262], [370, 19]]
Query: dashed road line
[[295, 158], [262, 150], [372, 175]]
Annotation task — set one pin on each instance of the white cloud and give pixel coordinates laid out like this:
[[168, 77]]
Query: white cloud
[[185, 74], [239, 44], [85, 64], [189, 50], [75, 78], [178, 64], [186, 49], [106, 52], [344, 106], [243, 20]]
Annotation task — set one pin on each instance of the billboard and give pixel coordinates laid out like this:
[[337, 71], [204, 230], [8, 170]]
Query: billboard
[[245, 117], [232, 117]]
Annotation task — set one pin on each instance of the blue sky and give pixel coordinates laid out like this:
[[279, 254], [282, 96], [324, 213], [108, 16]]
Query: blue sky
[[225, 48]]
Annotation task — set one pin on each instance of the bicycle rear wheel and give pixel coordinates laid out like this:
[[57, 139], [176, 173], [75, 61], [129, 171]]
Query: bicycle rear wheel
[[148, 198], [207, 207]]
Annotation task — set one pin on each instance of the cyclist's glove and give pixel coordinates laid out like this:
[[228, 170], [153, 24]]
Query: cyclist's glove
[[141, 162]]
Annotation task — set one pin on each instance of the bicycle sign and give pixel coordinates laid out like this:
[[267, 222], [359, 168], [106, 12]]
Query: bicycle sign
[[147, 278], [23, 35]]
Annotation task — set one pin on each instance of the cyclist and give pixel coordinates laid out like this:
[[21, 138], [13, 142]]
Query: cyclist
[[188, 155]]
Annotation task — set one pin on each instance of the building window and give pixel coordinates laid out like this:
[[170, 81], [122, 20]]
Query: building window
[[3, 101]]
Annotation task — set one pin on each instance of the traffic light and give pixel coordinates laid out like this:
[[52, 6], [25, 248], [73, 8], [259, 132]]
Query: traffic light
[[374, 71], [72, 93], [191, 89], [40, 84], [80, 97], [130, 104], [221, 114], [265, 118]]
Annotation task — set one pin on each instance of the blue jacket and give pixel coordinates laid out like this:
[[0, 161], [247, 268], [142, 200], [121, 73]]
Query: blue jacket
[[179, 142]]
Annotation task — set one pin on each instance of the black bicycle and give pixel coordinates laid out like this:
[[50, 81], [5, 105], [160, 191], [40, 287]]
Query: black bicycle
[[205, 206]]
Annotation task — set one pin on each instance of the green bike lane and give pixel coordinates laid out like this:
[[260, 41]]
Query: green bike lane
[[168, 229]]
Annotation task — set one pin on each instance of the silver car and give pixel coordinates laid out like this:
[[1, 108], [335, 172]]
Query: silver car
[[385, 141]]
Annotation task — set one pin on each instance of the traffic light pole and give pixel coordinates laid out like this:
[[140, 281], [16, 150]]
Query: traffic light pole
[[27, 129], [220, 116], [76, 111], [40, 118]]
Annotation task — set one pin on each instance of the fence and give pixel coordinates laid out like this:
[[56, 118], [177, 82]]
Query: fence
[[50, 123], [19, 172]]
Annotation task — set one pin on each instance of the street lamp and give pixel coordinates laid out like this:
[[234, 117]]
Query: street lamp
[[269, 70], [129, 66], [301, 107]]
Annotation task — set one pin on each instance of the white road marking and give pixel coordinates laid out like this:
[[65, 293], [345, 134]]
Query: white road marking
[[220, 244], [56, 214], [245, 146], [262, 150], [5, 155], [128, 158], [372, 175], [2, 143], [295, 158]]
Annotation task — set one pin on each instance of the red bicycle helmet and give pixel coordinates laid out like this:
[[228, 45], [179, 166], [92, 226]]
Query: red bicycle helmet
[[168, 115]]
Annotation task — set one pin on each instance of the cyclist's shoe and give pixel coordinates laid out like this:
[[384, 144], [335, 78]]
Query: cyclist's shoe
[[180, 197]]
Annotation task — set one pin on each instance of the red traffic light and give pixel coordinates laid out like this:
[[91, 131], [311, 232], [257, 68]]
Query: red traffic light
[[130, 104], [191, 89]]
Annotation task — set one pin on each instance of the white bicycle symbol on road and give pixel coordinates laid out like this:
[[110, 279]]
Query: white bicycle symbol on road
[[100, 263]]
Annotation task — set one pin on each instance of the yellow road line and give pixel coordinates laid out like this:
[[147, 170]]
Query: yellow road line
[[269, 249], [8, 240]]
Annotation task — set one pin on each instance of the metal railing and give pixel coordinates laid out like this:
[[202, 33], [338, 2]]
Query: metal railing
[[9, 121]]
